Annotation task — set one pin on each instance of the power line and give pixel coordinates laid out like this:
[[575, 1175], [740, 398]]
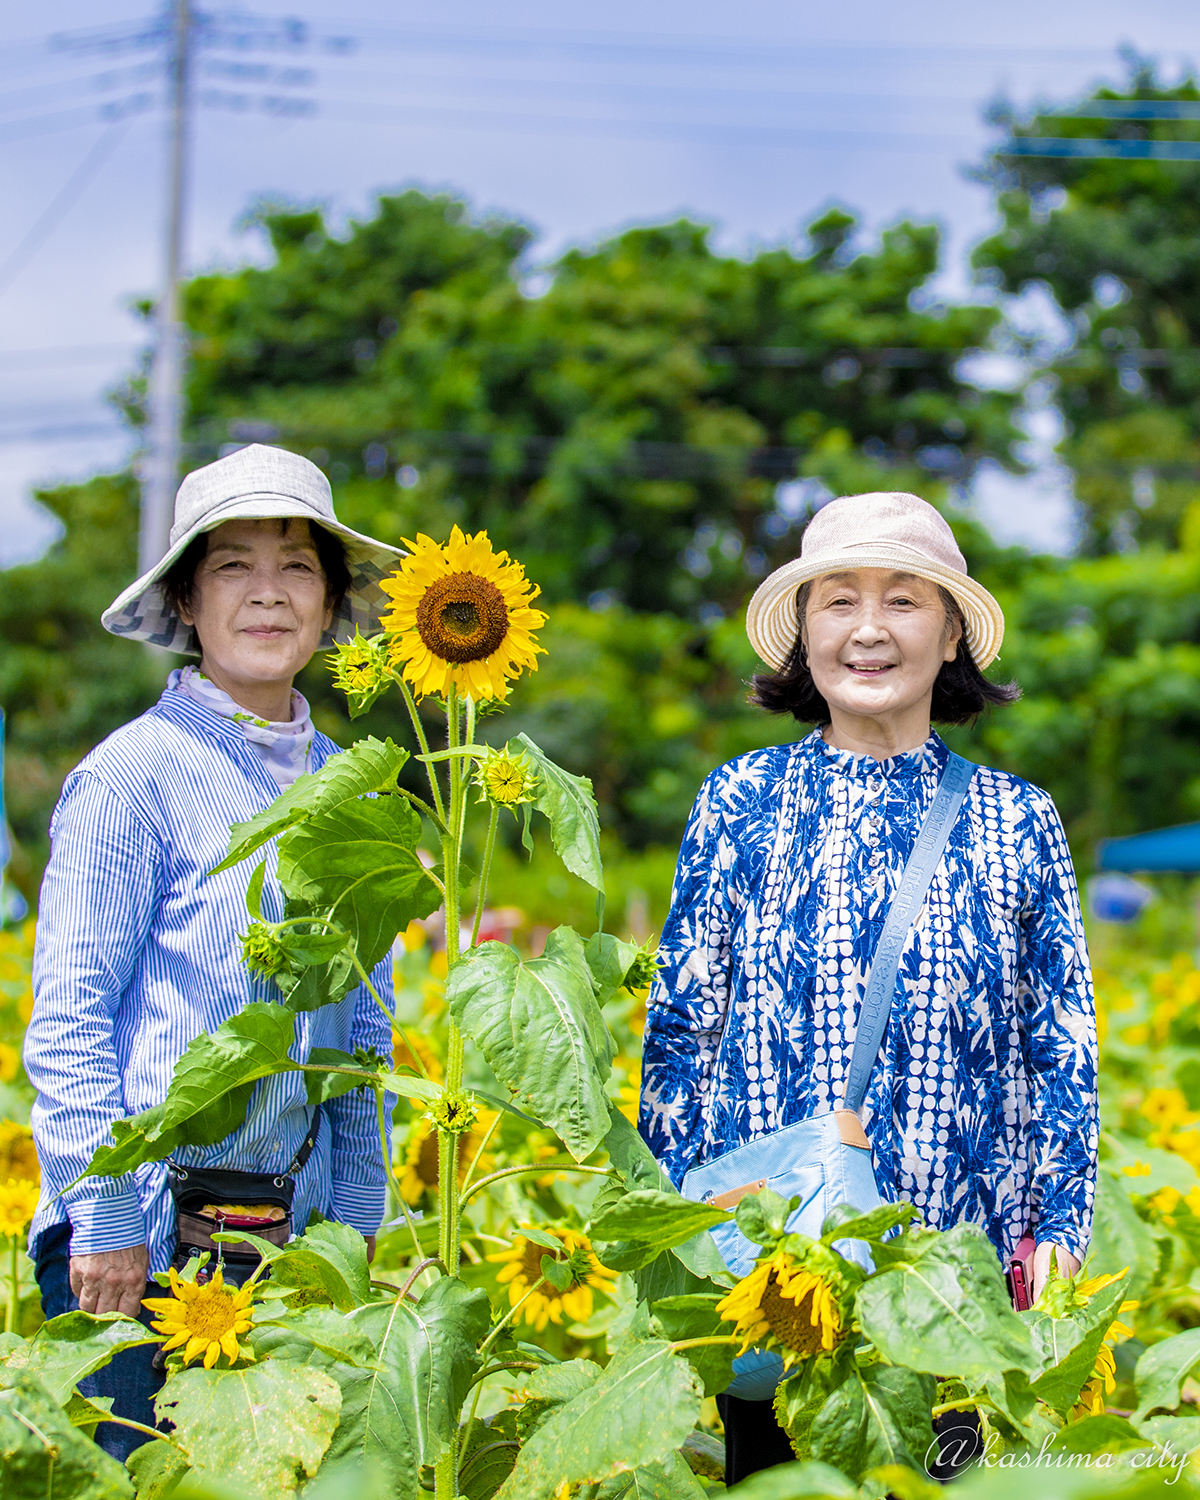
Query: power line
[[61, 204]]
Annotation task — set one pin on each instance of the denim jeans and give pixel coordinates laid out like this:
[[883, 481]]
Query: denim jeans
[[129, 1378]]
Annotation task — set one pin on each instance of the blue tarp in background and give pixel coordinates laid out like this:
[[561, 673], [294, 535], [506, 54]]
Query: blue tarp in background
[[1165, 849]]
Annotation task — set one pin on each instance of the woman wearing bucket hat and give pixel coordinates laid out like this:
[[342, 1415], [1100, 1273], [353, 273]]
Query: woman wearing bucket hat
[[137, 947], [971, 1091]]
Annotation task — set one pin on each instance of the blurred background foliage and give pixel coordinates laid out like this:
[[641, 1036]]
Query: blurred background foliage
[[647, 425]]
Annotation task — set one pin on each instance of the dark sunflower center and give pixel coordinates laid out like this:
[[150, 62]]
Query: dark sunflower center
[[791, 1321], [462, 617]]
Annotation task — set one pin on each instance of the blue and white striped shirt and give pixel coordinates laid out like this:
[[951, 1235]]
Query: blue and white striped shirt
[[137, 953]]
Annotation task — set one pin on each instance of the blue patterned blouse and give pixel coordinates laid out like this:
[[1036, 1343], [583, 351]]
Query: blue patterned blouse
[[982, 1106]]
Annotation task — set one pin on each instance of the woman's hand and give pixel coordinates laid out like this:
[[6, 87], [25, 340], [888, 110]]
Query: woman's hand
[[112, 1281], [1068, 1265]]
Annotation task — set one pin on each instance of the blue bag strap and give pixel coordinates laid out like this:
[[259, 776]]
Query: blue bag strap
[[906, 903]]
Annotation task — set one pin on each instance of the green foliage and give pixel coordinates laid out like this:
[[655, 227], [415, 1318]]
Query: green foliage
[[568, 803], [538, 1025], [329, 1259], [402, 1411], [695, 1316], [66, 1349], [944, 1308], [210, 1089], [636, 1412], [43, 1457], [287, 1417], [1115, 242], [878, 1416], [368, 767]]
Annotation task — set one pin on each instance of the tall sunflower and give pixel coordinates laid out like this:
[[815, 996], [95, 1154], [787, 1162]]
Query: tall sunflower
[[790, 1302], [204, 1319], [522, 1264], [461, 616], [419, 1170]]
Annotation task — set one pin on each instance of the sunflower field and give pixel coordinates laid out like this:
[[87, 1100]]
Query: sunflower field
[[545, 1317]]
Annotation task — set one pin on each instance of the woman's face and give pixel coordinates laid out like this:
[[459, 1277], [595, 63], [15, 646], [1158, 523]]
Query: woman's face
[[876, 641], [258, 602]]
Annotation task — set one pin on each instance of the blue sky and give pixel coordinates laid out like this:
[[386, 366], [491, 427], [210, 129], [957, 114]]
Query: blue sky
[[580, 121]]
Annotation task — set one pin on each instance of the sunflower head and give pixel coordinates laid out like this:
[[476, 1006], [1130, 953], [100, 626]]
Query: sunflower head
[[203, 1319], [263, 952], [505, 780], [18, 1204], [461, 618], [455, 1112], [362, 669], [640, 974], [18, 1158], [798, 1300], [584, 1275]]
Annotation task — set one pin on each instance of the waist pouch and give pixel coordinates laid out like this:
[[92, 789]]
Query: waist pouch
[[810, 1160], [213, 1200], [827, 1160]]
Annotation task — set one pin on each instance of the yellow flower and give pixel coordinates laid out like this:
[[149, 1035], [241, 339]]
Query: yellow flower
[[788, 1304], [523, 1269], [629, 1092], [1103, 1379], [506, 780], [461, 616], [18, 1202], [10, 1062], [1167, 1108], [412, 1049], [205, 1319], [17, 1155], [1139, 1169]]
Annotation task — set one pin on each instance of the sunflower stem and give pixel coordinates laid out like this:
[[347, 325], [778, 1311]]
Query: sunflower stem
[[448, 1144], [422, 806], [466, 1436], [366, 979], [419, 730], [484, 1182], [385, 1148], [508, 1317], [485, 870], [430, 1260], [491, 1130], [149, 1431], [14, 1287]]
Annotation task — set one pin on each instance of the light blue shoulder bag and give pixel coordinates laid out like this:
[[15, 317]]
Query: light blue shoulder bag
[[826, 1161]]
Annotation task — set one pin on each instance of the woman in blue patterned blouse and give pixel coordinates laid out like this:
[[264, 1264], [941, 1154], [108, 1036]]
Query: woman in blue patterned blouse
[[982, 1104]]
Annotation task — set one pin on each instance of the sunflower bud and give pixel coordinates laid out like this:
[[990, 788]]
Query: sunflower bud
[[263, 951], [640, 973], [361, 669], [505, 780], [455, 1112]]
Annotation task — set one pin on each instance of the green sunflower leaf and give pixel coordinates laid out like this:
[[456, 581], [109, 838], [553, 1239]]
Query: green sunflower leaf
[[369, 766], [286, 1412], [568, 803], [66, 1349], [541, 1031], [209, 1092], [880, 1415], [947, 1310], [638, 1411], [42, 1455]]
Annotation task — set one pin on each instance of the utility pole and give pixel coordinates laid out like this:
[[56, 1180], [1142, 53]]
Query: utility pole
[[160, 473]]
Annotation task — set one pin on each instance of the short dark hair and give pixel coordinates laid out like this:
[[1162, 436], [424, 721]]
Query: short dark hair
[[179, 581], [960, 691]]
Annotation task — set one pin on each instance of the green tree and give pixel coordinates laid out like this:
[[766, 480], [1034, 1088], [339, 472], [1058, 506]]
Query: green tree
[[626, 428], [1117, 243], [64, 682]]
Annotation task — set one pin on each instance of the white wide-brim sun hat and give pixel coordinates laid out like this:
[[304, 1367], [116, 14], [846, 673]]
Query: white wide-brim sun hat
[[891, 530], [255, 483]]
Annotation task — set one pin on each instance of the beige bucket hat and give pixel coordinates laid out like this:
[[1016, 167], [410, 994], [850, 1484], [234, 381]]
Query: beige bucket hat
[[255, 483], [882, 530]]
